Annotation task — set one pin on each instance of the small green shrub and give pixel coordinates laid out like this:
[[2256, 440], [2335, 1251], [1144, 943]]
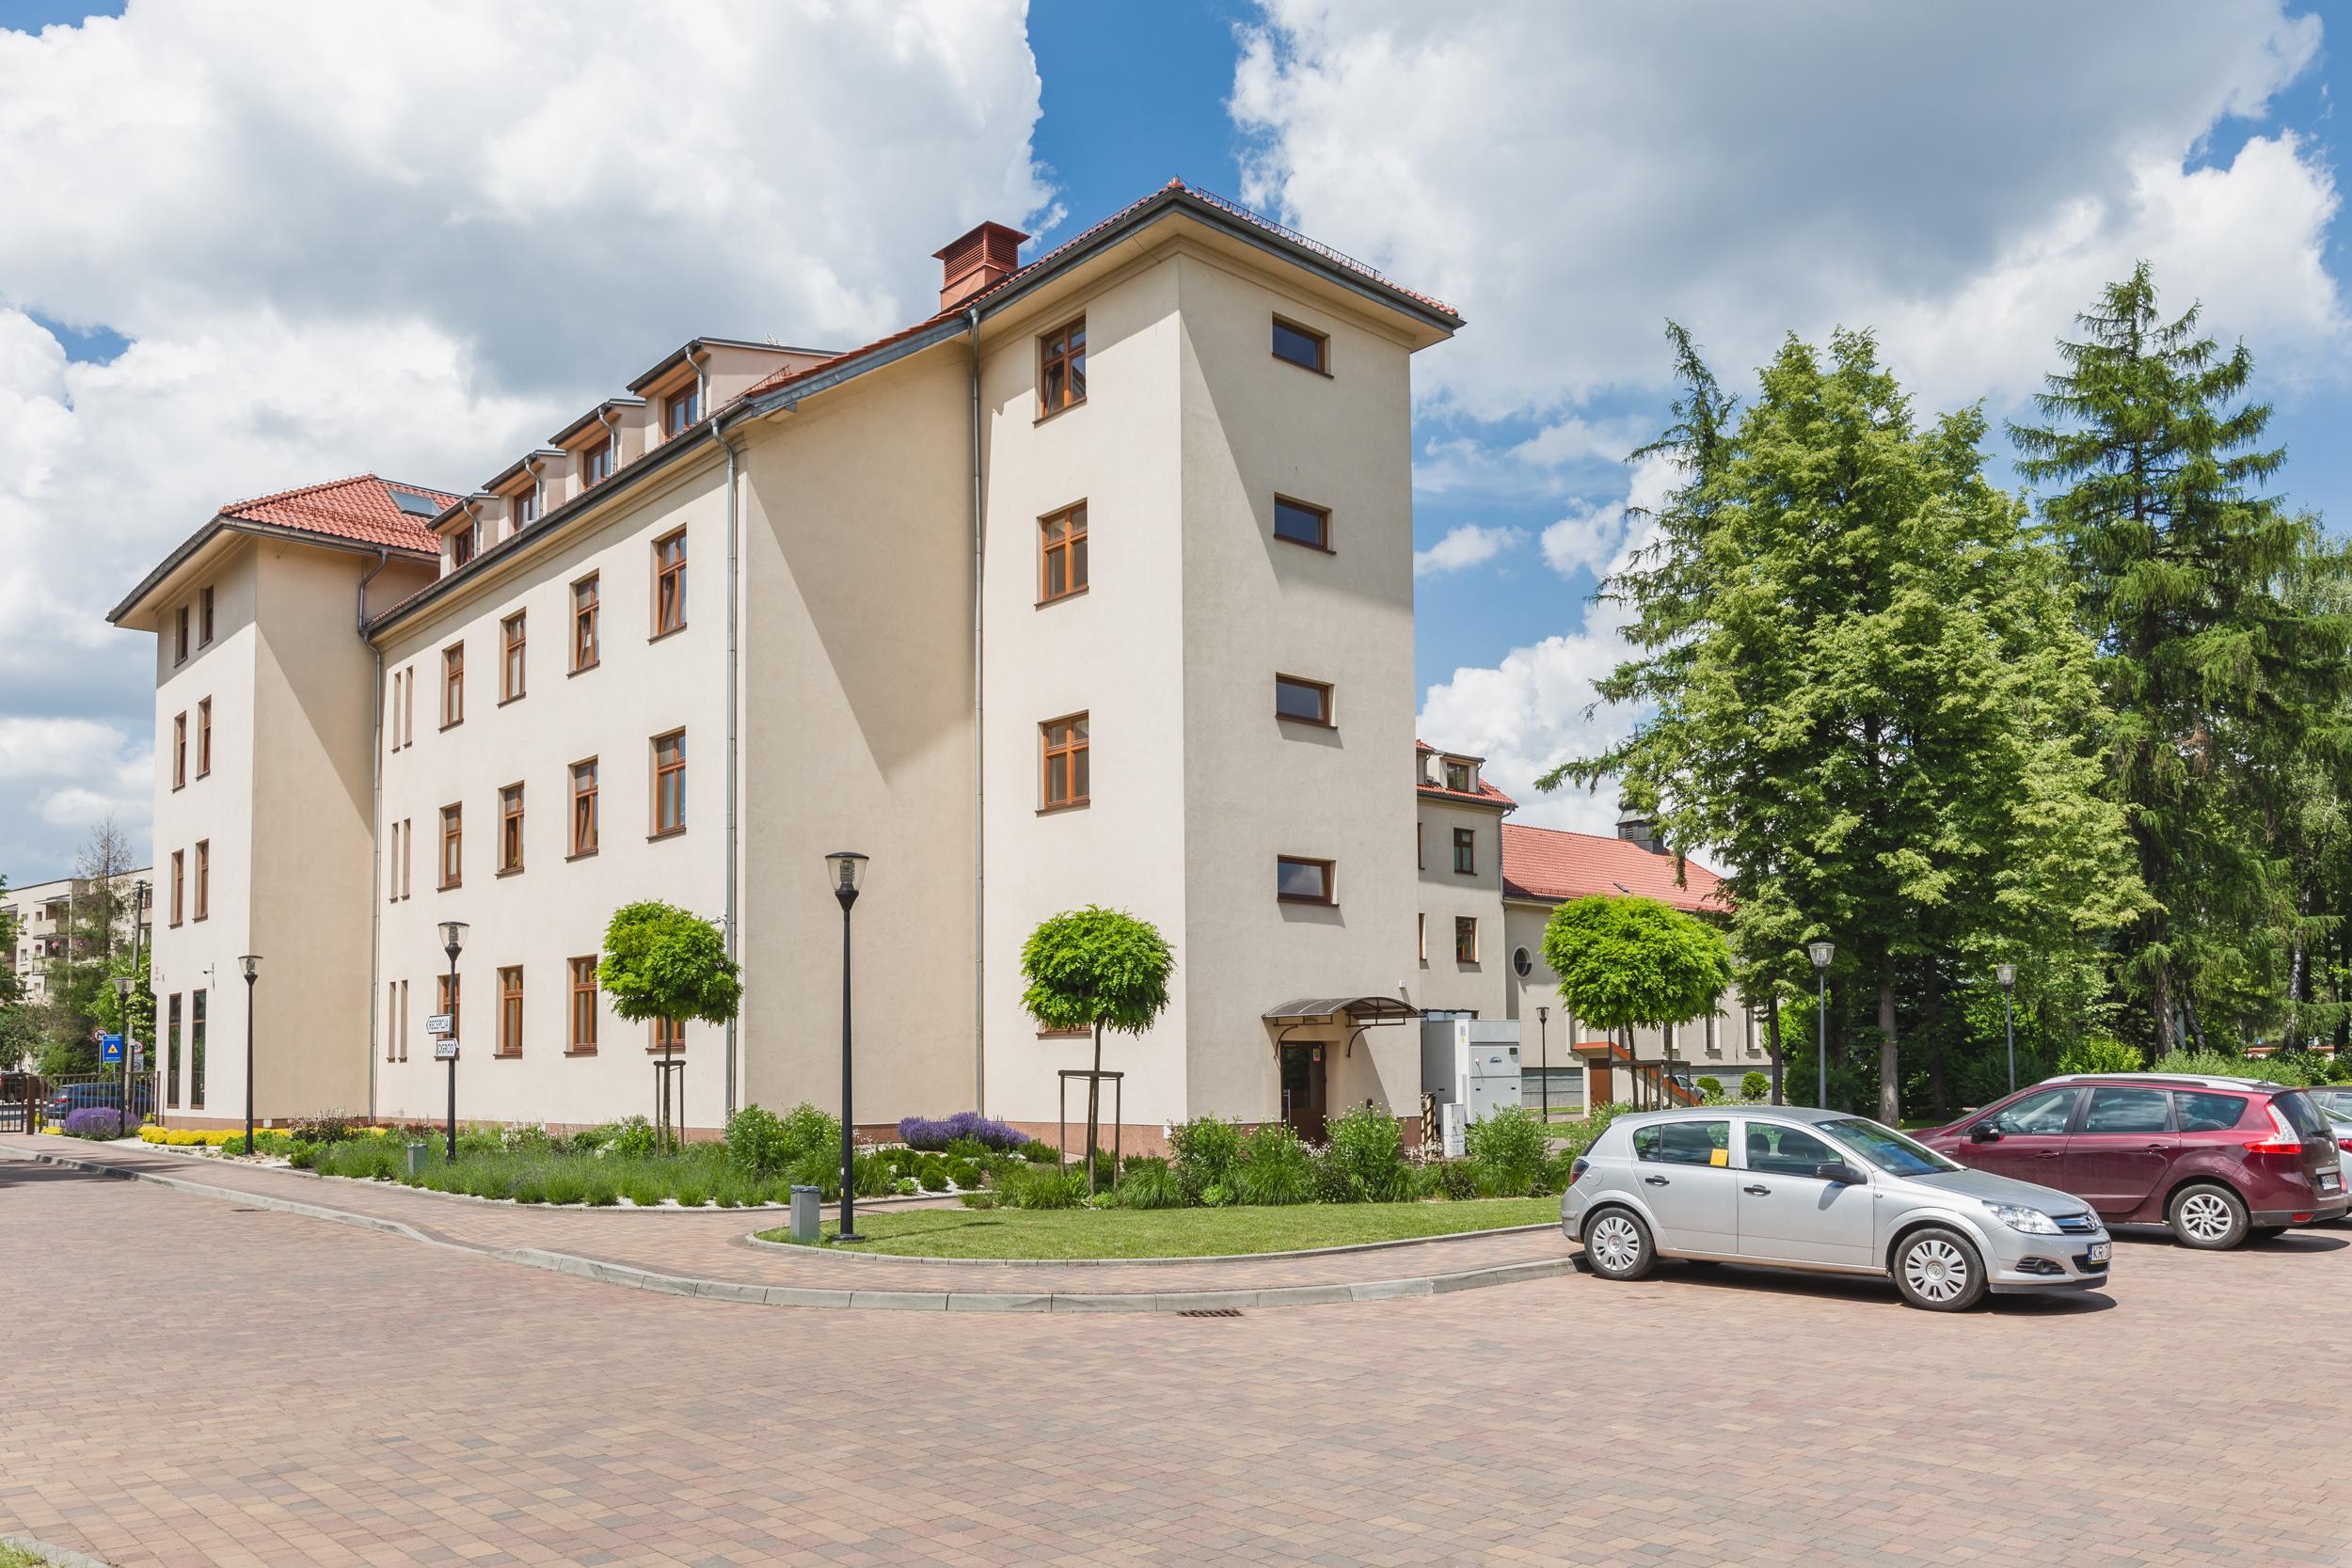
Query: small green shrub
[[2290, 1068], [907, 1186], [1754, 1085], [760, 1142], [633, 1136], [1365, 1159], [1042, 1187], [1274, 1167], [967, 1148], [2098, 1054], [1205, 1151], [1508, 1151], [565, 1181], [1151, 1182], [1040, 1153], [643, 1188], [1712, 1088], [329, 1129], [931, 1173], [966, 1174], [1454, 1180], [692, 1191]]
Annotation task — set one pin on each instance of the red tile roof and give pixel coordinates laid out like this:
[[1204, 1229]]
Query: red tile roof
[[359, 508], [1544, 862], [1485, 794]]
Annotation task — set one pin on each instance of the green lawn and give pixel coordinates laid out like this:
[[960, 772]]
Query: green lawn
[[1056, 1233], [11, 1557]]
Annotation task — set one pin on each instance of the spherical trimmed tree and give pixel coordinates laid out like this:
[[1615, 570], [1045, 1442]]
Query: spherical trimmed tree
[[664, 963], [1628, 961], [1095, 969]]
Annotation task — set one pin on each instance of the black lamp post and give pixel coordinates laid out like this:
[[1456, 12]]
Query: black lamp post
[[1820, 953], [1542, 1045], [122, 995], [843, 868], [452, 942], [252, 965], [2007, 975]]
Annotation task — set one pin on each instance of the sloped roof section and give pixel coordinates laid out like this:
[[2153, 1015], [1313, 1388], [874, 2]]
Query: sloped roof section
[[362, 508], [1548, 863]]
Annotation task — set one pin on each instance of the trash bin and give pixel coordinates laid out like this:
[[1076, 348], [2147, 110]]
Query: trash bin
[[805, 1209], [418, 1154]]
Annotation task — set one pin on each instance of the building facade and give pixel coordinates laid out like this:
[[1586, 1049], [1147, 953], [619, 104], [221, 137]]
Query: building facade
[[45, 923]]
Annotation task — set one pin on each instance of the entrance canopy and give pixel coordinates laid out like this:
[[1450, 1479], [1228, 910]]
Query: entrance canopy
[[1357, 1010]]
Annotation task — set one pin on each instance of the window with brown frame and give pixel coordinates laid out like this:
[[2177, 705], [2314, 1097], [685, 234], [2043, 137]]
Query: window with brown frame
[[392, 713], [583, 1037], [1299, 880], [203, 737], [180, 637], [1302, 524], [669, 1035], [585, 648], [680, 409], [584, 807], [179, 751], [1420, 861], [391, 867], [1061, 368], [178, 880], [1465, 853], [203, 878], [669, 783], [596, 465], [669, 583], [1421, 936], [1304, 701], [461, 547], [408, 856], [453, 845], [1301, 346], [452, 685], [1066, 766], [205, 617], [510, 829], [408, 709], [451, 994], [1457, 777], [510, 1041], [511, 636], [1465, 939], [1061, 569]]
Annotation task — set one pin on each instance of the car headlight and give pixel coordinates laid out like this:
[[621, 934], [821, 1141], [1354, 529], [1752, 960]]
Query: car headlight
[[2018, 1217]]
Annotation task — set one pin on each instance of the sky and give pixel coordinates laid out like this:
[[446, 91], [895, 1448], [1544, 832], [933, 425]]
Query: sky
[[253, 243]]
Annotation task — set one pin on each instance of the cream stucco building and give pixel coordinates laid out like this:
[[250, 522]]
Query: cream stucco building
[[1095, 587]]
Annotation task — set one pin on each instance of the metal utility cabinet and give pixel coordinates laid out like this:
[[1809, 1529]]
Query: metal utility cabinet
[[1470, 1063]]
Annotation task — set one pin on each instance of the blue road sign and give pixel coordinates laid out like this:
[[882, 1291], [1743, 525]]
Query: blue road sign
[[110, 1049]]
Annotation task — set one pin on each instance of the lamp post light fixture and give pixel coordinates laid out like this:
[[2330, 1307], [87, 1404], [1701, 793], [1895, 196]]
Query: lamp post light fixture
[[453, 942], [2007, 975], [843, 868], [251, 964], [1820, 953]]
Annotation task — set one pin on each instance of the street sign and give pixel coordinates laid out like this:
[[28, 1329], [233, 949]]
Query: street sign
[[439, 1023], [445, 1050], [110, 1049]]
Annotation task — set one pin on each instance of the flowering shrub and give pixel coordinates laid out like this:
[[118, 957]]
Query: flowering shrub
[[924, 1132], [98, 1122]]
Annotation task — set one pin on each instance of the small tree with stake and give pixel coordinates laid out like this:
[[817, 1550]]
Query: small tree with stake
[[664, 963], [1094, 969], [1630, 960]]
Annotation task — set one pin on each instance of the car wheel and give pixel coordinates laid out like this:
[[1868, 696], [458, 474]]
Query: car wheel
[[1617, 1246], [1937, 1270], [2208, 1217]]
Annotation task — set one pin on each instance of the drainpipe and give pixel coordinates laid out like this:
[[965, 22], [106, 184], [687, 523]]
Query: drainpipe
[[734, 569], [979, 750], [375, 848], [698, 357]]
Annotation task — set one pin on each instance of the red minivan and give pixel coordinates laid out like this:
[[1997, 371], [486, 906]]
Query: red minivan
[[2216, 1159]]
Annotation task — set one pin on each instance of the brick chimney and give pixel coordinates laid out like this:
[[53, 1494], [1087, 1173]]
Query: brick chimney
[[979, 260]]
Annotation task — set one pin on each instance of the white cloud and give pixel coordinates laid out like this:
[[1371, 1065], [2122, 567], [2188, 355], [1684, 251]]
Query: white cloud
[[1569, 175], [1466, 544], [414, 238]]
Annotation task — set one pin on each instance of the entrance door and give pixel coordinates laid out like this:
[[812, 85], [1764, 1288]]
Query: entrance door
[[1302, 1090], [1597, 1085]]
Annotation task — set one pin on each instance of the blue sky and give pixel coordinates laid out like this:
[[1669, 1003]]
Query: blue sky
[[267, 242]]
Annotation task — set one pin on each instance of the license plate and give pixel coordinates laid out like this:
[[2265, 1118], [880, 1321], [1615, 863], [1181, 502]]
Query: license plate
[[2099, 1251], [2331, 1181]]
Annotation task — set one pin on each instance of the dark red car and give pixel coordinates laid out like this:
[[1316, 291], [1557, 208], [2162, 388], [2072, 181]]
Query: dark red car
[[2216, 1159]]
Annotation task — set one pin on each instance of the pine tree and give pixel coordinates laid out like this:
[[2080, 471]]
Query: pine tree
[[2222, 683]]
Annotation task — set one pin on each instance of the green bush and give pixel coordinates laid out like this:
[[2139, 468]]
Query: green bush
[[966, 1174], [1365, 1159], [632, 1136], [1040, 1153], [1754, 1085], [1712, 1088], [2298, 1067], [1508, 1151], [692, 1191], [2096, 1053], [1579, 1136], [760, 1142], [1274, 1167], [930, 1172], [967, 1148], [1447, 1179], [330, 1129], [1151, 1182], [1205, 1151], [1042, 1187]]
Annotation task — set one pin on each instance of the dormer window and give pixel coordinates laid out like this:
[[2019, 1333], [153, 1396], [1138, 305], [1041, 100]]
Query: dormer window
[[680, 409], [596, 465], [461, 547], [523, 508], [1457, 776]]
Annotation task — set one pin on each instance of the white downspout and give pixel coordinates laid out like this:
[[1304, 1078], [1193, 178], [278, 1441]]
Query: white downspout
[[979, 750], [375, 843], [733, 915]]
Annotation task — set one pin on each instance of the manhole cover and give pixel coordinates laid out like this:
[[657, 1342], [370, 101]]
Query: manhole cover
[[1210, 1312]]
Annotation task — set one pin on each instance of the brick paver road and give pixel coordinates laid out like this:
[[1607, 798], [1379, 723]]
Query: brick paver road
[[191, 1383]]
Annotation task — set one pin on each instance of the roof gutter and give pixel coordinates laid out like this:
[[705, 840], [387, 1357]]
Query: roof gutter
[[733, 915], [980, 745]]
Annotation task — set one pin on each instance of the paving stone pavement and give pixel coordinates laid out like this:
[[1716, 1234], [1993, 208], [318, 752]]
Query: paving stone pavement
[[194, 1382], [710, 1245]]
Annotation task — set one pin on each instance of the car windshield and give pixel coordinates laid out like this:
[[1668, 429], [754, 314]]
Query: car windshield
[[1885, 1148]]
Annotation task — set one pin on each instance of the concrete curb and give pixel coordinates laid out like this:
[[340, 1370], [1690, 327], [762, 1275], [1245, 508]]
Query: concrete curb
[[63, 1556], [756, 1239], [748, 1293]]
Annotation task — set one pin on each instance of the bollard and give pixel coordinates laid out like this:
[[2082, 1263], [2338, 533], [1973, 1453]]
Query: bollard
[[804, 1202]]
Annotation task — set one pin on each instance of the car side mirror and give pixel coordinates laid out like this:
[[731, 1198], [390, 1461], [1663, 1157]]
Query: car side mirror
[[1838, 1171], [1984, 1132]]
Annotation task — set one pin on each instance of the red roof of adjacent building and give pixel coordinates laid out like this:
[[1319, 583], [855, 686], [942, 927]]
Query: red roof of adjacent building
[[361, 508], [1546, 862], [1485, 794]]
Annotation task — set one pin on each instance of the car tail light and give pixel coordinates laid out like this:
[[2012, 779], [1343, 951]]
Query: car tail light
[[1581, 1164], [2345, 1144], [2286, 1140]]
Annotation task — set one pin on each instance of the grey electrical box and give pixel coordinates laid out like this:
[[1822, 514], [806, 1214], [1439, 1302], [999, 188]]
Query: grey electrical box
[[417, 1156], [1473, 1063], [806, 1202]]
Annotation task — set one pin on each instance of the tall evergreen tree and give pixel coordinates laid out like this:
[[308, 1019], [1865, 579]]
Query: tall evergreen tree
[[2223, 684], [1868, 696]]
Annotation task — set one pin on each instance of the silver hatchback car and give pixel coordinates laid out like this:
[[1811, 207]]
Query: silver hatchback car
[[1791, 1188]]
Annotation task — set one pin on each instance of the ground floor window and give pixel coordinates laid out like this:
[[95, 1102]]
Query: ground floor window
[[196, 1051], [669, 1034], [171, 1053], [1464, 940], [511, 1011], [583, 1005]]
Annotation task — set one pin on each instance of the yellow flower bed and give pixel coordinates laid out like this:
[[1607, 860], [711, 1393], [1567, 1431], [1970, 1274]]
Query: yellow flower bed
[[190, 1137]]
